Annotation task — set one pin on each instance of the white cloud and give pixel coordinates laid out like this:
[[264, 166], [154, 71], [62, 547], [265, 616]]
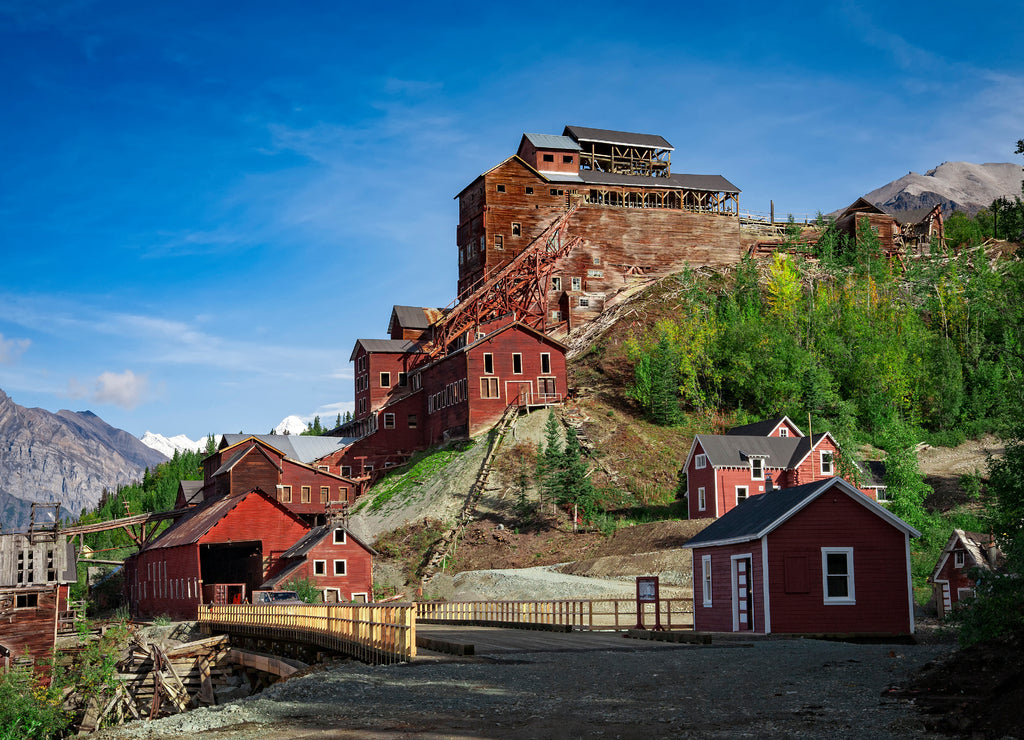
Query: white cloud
[[125, 389], [12, 349]]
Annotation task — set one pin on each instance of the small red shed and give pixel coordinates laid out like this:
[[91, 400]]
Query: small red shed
[[952, 578], [816, 558]]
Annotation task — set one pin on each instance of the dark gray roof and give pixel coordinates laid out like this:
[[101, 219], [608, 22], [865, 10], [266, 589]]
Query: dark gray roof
[[411, 317], [758, 515], [736, 450], [606, 136], [758, 428], [549, 141], [190, 490], [710, 183], [302, 448], [386, 345]]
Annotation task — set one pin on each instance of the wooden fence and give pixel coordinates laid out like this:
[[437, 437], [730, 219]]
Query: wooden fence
[[588, 614], [374, 633]]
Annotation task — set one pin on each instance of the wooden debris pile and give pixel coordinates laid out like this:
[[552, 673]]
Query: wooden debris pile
[[156, 681]]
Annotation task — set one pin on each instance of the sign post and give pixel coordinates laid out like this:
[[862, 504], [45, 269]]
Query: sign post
[[647, 593]]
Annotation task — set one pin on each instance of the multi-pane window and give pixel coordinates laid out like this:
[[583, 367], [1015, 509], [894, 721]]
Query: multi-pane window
[[757, 468], [584, 302], [783, 432], [389, 421], [700, 461], [837, 575], [577, 283], [702, 503], [958, 559], [826, 462], [488, 387], [705, 566], [741, 494]]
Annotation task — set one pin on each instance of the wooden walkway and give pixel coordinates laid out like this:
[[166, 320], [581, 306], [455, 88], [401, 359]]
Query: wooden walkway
[[437, 640]]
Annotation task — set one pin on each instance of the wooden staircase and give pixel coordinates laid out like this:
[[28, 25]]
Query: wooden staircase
[[446, 544]]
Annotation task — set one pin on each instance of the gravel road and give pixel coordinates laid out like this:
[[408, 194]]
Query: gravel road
[[776, 688]]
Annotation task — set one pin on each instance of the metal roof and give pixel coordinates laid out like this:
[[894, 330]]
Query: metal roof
[[188, 529], [191, 490], [735, 451], [396, 346], [758, 515], [415, 317], [550, 141], [761, 428], [606, 136], [710, 183], [303, 448]]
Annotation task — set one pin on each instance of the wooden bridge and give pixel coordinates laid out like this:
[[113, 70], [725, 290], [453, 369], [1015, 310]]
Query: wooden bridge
[[387, 633]]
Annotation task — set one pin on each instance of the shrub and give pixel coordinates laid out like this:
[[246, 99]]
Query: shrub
[[306, 589], [29, 709]]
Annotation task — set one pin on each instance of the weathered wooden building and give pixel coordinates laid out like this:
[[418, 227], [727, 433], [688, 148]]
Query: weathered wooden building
[[227, 547], [965, 556], [36, 571], [336, 560], [635, 217], [817, 558]]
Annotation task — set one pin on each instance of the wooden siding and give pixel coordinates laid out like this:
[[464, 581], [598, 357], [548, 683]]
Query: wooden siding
[[955, 578], [700, 478], [374, 395], [719, 616], [30, 631], [881, 588], [358, 578]]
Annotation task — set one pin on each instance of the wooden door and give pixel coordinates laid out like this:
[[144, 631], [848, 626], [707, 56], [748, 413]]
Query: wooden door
[[742, 594]]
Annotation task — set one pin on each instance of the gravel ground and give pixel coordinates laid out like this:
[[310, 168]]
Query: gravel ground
[[776, 688], [545, 582]]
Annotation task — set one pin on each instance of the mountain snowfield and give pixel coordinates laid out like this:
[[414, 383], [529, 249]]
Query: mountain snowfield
[[290, 425], [169, 445]]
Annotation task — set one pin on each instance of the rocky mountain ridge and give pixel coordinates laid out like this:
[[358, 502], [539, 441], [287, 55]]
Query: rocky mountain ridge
[[956, 186], [67, 457]]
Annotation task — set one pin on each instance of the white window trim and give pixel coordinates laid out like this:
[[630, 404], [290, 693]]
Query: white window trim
[[821, 462], [328, 590], [851, 597], [520, 356], [389, 420], [753, 473], [702, 499], [344, 565], [959, 558], [382, 383], [737, 494], [700, 462], [343, 539], [783, 432], [315, 562], [705, 572]]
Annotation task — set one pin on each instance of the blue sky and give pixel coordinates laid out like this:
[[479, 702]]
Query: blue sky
[[203, 205]]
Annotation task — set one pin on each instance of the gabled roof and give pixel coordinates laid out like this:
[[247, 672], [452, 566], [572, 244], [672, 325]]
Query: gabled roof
[[974, 544], [298, 447], [388, 346], [191, 491], [759, 515], [414, 317], [198, 521], [607, 136], [861, 205], [549, 141], [763, 428], [240, 453], [710, 183], [301, 549]]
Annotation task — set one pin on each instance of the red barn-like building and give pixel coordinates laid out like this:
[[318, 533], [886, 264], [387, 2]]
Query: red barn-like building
[[816, 558], [224, 549], [332, 557]]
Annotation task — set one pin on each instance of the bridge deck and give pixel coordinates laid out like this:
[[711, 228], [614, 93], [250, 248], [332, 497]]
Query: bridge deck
[[499, 641]]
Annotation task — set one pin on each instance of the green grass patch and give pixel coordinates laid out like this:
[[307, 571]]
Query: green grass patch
[[399, 486]]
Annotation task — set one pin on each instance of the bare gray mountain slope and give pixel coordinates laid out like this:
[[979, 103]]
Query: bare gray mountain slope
[[956, 186], [68, 457]]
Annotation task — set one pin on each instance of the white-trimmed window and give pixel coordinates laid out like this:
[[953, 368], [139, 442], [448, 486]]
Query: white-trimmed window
[[837, 575], [700, 461], [488, 363], [286, 494], [517, 363], [499, 242], [545, 362], [583, 302], [339, 536], [882, 494], [385, 380], [389, 421], [556, 283], [488, 388], [340, 567], [756, 468], [319, 567], [307, 494], [325, 468], [325, 494], [826, 467], [705, 568], [702, 502], [959, 558], [741, 494], [577, 283], [783, 432]]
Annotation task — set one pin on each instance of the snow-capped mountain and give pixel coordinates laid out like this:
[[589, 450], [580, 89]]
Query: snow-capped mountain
[[290, 425], [169, 445]]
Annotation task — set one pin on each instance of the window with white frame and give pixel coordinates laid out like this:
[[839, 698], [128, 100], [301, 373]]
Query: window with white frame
[[325, 494], [702, 503], [517, 363], [783, 432], [286, 494], [307, 494], [389, 421], [882, 494], [583, 302], [488, 388], [339, 536], [488, 363], [556, 283], [705, 567], [385, 380], [340, 567], [545, 362], [837, 575], [741, 494], [700, 461], [577, 283], [756, 468], [826, 462], [959, 559]]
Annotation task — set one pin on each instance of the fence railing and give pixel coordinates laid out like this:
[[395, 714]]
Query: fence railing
[[589, 614], [372, 633]]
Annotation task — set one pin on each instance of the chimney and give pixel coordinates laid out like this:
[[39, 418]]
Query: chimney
[[768, 485]]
